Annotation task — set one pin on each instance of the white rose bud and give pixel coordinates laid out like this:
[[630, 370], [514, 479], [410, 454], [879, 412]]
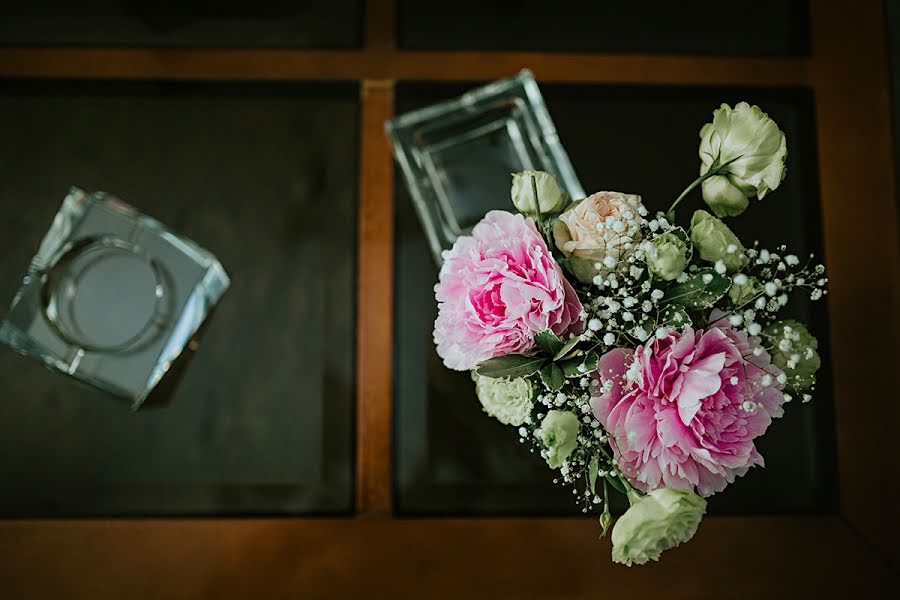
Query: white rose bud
[[747, 149], [663, 519], [551, 198]]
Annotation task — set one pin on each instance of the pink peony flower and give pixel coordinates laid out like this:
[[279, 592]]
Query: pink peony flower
[[497, 289], [683, 410]]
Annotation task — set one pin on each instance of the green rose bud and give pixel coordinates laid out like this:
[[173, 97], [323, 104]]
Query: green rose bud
[[667, 256], [507, 400], [559, 433], [748, 149], [794, 352], [743, 289], [723, 197], [662, 519], [715, 242], [551, 198]]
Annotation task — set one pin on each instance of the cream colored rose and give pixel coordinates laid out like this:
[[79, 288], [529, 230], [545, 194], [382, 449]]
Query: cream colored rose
[[595, 233]]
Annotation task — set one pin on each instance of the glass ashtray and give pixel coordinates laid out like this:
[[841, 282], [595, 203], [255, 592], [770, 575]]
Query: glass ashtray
[[112, 297]]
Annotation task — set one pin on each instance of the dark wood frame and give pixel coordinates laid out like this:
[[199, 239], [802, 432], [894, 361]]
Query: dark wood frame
[[375, 553]]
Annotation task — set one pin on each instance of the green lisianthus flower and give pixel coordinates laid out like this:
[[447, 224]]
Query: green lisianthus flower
[[748, 151], [667, 256], [559, 433], [724, 197], [661, 520], [716, 242], [507, 400]]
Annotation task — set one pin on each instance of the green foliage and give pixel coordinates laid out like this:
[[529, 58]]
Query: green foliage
[[674, 316], [548, 342], [571, 366], [511, 365], [700, 291], [552, 376]]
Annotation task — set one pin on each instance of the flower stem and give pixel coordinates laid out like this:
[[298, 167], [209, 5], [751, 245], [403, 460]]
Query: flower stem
[[633, 495], [537, 202], [714, 169], [670, 214]]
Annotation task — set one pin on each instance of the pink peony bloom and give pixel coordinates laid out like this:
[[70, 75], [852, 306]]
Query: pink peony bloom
[[682, 410], [497, 289]]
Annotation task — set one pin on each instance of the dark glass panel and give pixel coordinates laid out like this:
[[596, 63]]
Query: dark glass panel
[[452, 458], [187, 23], [761, 28], [265, 177]]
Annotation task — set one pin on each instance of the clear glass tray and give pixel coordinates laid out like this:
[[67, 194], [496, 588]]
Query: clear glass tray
[[457, 156]]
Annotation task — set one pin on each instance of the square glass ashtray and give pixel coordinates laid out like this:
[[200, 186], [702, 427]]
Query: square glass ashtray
[[457, 156], [112, 296]]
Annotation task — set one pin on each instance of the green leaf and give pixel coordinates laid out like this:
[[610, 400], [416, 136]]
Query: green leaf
[[512, 366], [699, 292], [674, 316], [681, 234], [570, 366], [684, 237], [593, 468], [614, 481], [553, 377], [567, 347], [548, 342]]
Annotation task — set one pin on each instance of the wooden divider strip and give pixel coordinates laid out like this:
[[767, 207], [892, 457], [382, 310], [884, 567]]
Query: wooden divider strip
[[374, 366]]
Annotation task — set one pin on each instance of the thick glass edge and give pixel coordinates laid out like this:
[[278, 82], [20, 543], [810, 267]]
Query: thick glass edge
[[544, 139], [204, 296]]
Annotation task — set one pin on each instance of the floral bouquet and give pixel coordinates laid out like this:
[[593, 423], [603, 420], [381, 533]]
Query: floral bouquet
[[633, 353]]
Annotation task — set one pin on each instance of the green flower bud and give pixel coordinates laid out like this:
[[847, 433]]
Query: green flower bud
[[559, 433], [748, 147], [794, 352], [661, 520], [605, 520], [743, 289], [552, 199], [723, 197], [667, 256], [715, 242], [507, 400]]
